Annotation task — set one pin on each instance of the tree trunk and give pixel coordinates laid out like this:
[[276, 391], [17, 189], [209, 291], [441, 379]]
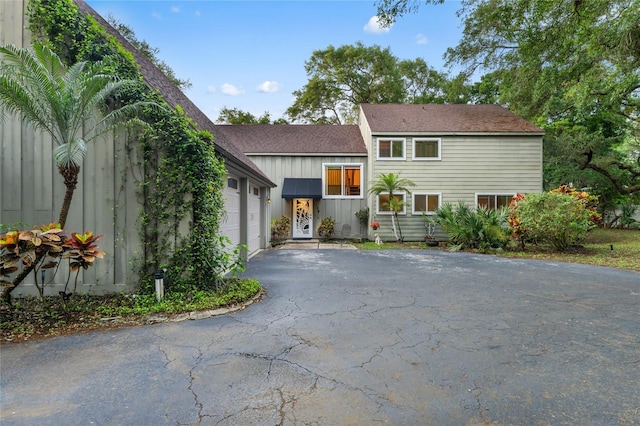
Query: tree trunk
[[70, 175]]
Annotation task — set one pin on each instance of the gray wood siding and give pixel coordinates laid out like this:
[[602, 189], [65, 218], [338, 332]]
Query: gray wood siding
[[469, 165], [32, 190], [341, 210]]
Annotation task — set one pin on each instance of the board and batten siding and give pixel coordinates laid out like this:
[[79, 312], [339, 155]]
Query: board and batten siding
[[469, 165], [32, 190], [279, 167]]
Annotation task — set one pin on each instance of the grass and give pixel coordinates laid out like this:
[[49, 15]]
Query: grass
[[29, 318], [596, 250], [615, 248]]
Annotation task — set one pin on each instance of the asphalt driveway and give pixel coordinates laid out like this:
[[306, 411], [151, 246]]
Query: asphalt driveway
[[356, 337]]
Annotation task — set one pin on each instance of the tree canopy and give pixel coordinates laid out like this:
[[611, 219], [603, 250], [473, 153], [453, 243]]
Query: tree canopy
[[237, 116], [342, 78], [571, 66]]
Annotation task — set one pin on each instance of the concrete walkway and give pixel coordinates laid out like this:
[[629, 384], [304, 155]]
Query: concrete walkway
[[354, 337], [314, 244]]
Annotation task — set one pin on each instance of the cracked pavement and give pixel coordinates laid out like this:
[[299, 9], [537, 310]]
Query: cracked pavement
[[358, 337]]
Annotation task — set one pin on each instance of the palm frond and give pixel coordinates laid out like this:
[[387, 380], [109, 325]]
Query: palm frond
[[71, 153]]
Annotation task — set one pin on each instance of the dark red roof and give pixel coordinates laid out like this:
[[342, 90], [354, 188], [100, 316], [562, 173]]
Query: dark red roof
[[292, 138], [445, 118]]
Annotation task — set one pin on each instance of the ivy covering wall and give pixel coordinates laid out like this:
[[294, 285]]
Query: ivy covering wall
[[182, 179]]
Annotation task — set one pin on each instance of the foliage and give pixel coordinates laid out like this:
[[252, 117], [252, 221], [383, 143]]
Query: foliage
[[482, 229], [237, 116], [29, 318], [392, 183], [42, 248], [363, 217], [280, 229], [342, 78], [558, 218], [571, 66], [182, 180], [150, 52], [430, 226], [375, 225], [326, 228]]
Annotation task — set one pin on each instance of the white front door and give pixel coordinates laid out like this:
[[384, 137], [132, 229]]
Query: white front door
[[303, 218]]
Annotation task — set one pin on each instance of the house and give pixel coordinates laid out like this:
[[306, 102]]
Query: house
[[106, 199], [319, 169], [479, 154]]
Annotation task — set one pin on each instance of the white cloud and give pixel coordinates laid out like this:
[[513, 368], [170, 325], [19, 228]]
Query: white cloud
[[421, 39], [198, 13], [175, 9], [231, 90], [269, 87], [374, 27], [156, 15], [211, 89]]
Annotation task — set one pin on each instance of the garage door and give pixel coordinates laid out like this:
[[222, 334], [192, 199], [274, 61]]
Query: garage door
[[254, 221], [230, 222]]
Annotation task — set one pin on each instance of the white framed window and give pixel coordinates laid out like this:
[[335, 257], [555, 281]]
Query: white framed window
[[382, 206], [391, 148], [342, 180], [493, 201], [426, 202], [427, 149]]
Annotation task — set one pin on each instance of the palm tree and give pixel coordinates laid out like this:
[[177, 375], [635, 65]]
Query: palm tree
[[74, 105], [392, 184]]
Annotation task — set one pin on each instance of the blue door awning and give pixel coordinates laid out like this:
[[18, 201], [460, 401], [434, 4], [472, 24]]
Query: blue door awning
[[302, 188]]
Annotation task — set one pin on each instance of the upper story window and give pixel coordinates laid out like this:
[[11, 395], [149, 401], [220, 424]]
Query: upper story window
[[425, 203], [232, 183], [391, 149], [426, 149], [342, 180], [383, 206], [493, 201]]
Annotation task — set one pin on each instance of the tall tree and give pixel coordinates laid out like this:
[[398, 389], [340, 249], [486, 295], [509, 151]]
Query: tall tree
[[392, 184], [73, 104], [569, 61], [342, 78], [237, 116]]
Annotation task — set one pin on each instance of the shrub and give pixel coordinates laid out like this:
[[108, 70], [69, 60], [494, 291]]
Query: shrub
[[280, 229], [473, 229], [326, 228], [558, 218]]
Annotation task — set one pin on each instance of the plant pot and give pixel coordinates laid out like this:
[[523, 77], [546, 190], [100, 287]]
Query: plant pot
[[432, 243]]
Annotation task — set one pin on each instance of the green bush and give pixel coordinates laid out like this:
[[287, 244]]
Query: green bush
[[556, 218], [280, 229], [473, 229], [327, 228]]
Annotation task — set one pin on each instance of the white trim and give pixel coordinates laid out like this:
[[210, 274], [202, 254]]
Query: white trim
[[343, 165], [388, 212], [413, 202], [492, 193], [438, 140], [404, 149]]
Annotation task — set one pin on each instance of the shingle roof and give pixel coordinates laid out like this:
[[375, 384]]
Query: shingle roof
[[445, 118], [293, 138], [174, 96]]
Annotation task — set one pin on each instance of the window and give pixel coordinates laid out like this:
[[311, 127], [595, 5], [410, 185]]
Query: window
[[391, 149], [427, 203], [232, 183], [426, 149], [256, 191], [493, 201], [383, 203], [342, 180]]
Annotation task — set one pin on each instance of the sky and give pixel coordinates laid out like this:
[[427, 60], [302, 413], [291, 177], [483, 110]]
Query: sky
[[250, 55]]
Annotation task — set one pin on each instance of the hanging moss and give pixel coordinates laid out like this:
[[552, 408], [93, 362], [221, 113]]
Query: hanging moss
[[183, 180]]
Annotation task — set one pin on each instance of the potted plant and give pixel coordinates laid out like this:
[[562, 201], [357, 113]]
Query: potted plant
[[375, 225], [430, 226]]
